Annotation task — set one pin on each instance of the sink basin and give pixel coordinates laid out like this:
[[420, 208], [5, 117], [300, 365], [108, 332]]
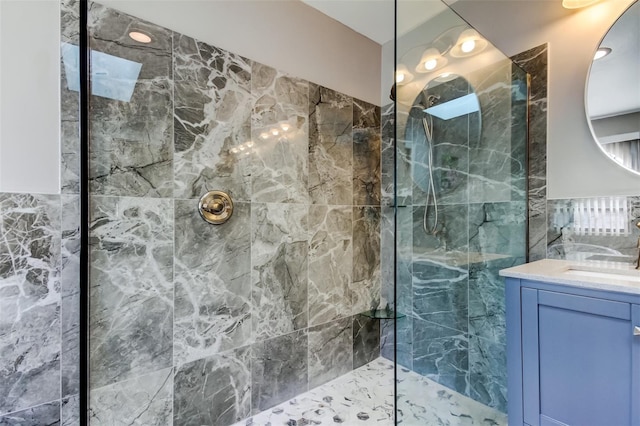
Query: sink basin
[[606, 273]]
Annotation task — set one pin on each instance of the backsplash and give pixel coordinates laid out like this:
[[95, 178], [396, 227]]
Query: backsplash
[[580, 229]]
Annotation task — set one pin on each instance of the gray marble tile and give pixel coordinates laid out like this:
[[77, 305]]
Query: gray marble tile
[[441, 354], [387, 254], [213, 391], [404, 151], [519, 133], [488, 373], [486, 299], [365, 283], [441, 294], [330, 351], [69, 101], [537, 229], [70, 21], [387, 164], [491, 159], [46, 414], [450, 237], [365, 115], [279, 257], [280, 170], [534, 62], [404, 254], [400, 336], [566, 241], [212, 282], [70, 411], [70, 288], [366, 340], [144, 400], [330, 146], [279, 370], [212, 120], [498, 228], [366, 154], [131, 296], [29, 300], [131, 142], [330, 262]]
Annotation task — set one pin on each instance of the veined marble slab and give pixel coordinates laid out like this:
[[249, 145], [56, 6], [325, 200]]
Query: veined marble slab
[[365, 396], [555, 271]]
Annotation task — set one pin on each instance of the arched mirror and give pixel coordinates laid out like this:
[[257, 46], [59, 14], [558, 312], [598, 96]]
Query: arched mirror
[[613, 91]]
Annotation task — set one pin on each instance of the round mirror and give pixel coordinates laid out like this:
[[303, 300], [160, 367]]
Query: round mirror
[[443, 123], [613, 91]]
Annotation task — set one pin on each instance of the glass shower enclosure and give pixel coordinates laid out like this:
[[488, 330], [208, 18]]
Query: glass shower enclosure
[[460, 162], [261, 249]]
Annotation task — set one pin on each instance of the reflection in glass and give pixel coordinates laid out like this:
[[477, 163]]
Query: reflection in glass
[[461, 141], [613, 92]]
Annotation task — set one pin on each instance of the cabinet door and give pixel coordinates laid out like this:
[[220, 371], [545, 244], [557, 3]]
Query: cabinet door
[[580, 360]]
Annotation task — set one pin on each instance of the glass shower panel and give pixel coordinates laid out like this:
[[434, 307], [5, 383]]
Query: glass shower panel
[[461, 138]]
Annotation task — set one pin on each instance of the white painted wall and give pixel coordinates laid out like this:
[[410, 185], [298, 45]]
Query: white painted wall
[[29, 96], [576, 167], [285, 34]]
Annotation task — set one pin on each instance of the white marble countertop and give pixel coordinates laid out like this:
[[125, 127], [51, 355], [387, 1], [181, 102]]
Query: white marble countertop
[[595, 275]]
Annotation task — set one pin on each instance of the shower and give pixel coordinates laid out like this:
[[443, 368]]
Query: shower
[[418, 111]]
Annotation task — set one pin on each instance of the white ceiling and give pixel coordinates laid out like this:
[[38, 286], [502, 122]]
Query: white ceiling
[[375, 18], [371, 18]]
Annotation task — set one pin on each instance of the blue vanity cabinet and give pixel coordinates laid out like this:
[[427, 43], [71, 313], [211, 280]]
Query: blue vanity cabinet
[[572, 356]]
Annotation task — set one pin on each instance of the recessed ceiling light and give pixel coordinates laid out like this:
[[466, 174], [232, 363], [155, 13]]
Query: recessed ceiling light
[[140, 37], [601, 53]]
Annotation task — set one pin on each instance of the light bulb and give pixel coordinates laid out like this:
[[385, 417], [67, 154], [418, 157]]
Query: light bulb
[[285, 126], [275, 132], [468, 46], [234, 150], [601, 53], [431, 64], [403, 76], [241, 148], [264, 135]]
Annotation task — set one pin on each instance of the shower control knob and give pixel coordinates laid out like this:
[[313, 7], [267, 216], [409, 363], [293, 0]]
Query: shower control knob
[[215, 207]]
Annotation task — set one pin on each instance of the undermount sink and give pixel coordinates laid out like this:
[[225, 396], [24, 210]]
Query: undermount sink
[[625, 274]]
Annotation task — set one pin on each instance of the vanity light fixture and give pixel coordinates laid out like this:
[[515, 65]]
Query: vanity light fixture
[[577, 4], [445, 76], [140, 37], [469, 43], [601, 53], [403, 76], [431, 61]]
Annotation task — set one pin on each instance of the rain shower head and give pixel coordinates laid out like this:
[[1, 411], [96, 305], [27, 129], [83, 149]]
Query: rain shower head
[[425, 102]]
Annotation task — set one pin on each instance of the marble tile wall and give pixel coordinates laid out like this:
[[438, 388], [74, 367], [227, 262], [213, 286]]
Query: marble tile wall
[[192, 323], [267, 304], [567, 242], [551, 235], [534, 62], [447, 281]]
